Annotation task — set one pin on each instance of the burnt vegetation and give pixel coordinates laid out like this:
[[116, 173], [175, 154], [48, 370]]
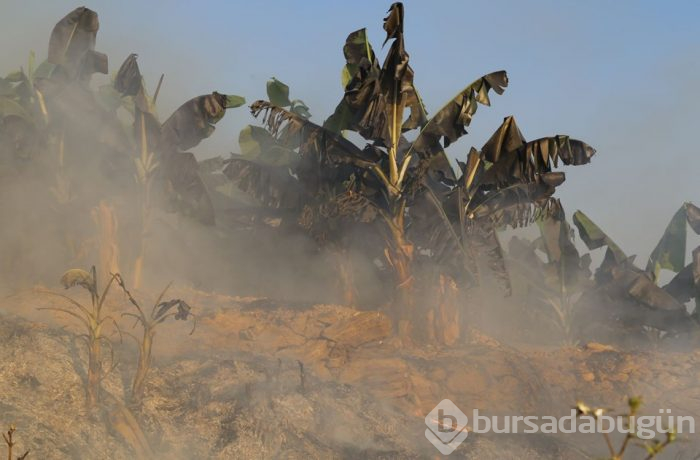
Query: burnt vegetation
[[392, 209], [372, 189]]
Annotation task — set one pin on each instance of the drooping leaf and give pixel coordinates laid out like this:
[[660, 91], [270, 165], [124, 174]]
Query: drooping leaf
[[507, 138], [594, 237], [669, 253], [686, 284], [293, 131], [129, 83], [568, 268], [194, 120], [693, 215], [518, 161], [128, 80], [79, 277], [183, 310], [72, 44], [471, 171], [644, 290], [451, 121], [186, 190]]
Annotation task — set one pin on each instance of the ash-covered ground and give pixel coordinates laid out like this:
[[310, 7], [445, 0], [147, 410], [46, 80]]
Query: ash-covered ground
[[258, 379]]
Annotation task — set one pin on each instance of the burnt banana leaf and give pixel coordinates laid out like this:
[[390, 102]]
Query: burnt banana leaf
[[451, 121], [185, 190], [375, 98], [570, 268], [360, 78], [194, 120], [295, 132], [631, 281], [72, 44], [264, 170], [129, 83], [484, 240], [686, 284], [595, 237], [618, 274], [517, 161], [693, 215], [358, 55], [128, 80], [186, 128], [669, 253], [272, 185], [397, 77]]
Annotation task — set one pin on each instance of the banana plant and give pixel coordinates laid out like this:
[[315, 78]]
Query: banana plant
[[374, 105], [670, 254], [509, 182], [162, 146], [632, 296], [95, 321], [392, 185], [560, 281], [161, 311], [302, 173]]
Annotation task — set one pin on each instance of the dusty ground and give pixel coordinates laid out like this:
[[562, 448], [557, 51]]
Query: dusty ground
[[258, 379]]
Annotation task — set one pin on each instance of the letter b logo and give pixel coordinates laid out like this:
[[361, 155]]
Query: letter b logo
[[447, 427], [442, 422]]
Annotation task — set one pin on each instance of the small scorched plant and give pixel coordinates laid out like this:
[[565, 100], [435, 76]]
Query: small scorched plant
[[93, 320], [161, 311]]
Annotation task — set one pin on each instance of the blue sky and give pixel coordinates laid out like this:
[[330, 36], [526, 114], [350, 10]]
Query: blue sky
[[621, 75]]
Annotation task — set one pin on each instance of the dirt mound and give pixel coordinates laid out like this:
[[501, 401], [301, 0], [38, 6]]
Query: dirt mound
[[259, 380]]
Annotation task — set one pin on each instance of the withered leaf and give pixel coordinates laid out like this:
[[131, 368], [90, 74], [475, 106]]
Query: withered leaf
[[194, 120], [595, 237], [128, 80], [451, 121], [188, 194], [72, 44], [669, 253]]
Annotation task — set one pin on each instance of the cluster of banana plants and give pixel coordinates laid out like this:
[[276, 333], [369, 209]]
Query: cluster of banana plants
[[617, 299], [399, 201], [55, 129]]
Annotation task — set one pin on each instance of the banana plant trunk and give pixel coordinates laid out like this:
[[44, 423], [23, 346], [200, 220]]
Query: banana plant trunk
[[399, 254]]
